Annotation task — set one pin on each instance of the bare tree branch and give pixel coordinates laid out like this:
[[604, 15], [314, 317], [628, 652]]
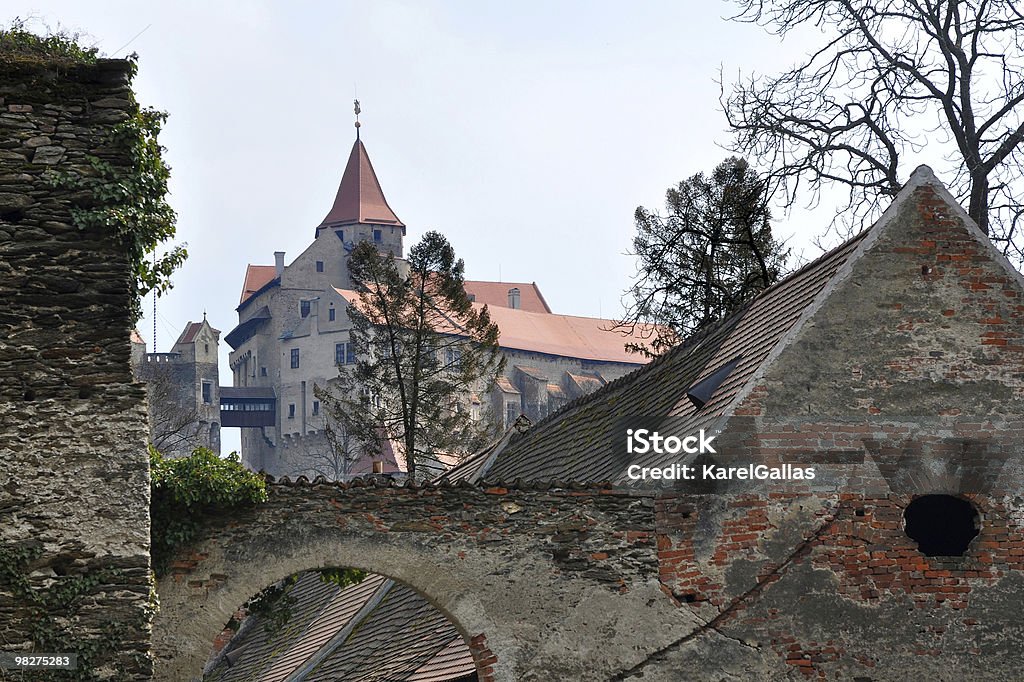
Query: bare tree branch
[[855, 108]]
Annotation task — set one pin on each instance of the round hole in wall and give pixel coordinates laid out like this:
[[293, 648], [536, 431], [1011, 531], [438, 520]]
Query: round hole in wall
[[942, 525]]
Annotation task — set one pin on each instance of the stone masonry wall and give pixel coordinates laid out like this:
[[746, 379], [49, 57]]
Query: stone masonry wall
[[74, 474], [907, 382], [545, 582]]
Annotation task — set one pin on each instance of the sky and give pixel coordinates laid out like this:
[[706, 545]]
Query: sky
[[527, 132]]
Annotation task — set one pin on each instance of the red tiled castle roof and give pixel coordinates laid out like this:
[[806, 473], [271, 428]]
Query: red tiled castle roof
[[360, 198]]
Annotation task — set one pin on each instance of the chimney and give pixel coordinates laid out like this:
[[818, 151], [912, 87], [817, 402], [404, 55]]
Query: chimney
[[278, 263], [513, 298]]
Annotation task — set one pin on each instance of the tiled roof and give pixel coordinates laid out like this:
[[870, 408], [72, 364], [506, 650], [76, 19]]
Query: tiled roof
[[237, 336], [587, 383], [256, 277], [188, 335], [496, 294], [136, 337], [391, 642], [532, 372], [470, 469], [251, 652], [227, 392], [576, 443], [454, 662], [360, 198], [375, 630], [506, 386], [587, 338]]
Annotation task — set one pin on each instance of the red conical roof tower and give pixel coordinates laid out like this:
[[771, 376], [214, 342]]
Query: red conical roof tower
[[360, 198]]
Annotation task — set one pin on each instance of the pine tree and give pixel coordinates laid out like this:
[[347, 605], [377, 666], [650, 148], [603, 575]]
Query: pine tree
[[708, 255], [422, 349]]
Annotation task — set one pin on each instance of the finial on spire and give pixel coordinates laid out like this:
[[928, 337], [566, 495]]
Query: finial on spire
[[357, 118]]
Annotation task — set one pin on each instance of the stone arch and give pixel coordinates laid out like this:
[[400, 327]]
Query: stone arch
[[194, 607], [518, 571]]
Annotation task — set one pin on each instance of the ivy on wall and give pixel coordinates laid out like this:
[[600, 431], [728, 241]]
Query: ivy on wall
[[187, 491], [52, 608], [130, 202], [127, 199]]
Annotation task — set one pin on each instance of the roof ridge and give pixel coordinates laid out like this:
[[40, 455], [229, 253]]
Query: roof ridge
[[817, 261], [687, 344], [858, 245]]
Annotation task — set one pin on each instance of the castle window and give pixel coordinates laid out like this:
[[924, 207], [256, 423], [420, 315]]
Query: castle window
[[369, 398], [344, 354], [511, 413], [330, 315], [295, 358], [319, 266], [291, 411], [316, 407], [942, 525], [263, 371], [453, 357], [207, 392], [377, 236], [206, 347], [304, 308]]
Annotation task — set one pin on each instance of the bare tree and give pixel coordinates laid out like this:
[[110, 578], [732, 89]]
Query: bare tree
[[175, 428], [893, 77]]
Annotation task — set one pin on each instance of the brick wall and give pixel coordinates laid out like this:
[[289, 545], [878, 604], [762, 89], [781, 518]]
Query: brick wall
[[906, 381], [518, 569]]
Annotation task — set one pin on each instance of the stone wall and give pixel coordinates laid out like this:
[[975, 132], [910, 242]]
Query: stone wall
[[544, 582], [907, 382], [74, 474]]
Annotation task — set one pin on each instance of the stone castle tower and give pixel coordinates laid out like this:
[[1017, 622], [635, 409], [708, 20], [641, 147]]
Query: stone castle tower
[[183, 389]]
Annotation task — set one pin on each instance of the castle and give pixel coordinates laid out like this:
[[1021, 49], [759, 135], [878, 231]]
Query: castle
[[183, 390], [292, 334]]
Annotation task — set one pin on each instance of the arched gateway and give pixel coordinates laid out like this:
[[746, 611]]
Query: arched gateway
[[541, 581]]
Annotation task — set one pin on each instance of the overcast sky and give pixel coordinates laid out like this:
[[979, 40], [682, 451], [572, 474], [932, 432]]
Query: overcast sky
[[527, 132]]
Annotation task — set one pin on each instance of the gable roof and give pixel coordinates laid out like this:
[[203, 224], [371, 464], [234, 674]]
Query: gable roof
[[586, 338], [495, 294], [256, 277], [188, 335], [575, 443], [582, 442], [360, 198], [373, 630]]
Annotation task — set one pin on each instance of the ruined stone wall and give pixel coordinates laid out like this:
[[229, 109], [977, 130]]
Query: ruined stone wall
[[74, 473], [907, 382], [546, 582]]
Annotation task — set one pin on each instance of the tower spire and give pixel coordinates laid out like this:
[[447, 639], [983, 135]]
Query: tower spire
[[360, 198]]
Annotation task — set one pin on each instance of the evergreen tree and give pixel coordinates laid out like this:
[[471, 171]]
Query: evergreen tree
[[422, 348], [708, 255]]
